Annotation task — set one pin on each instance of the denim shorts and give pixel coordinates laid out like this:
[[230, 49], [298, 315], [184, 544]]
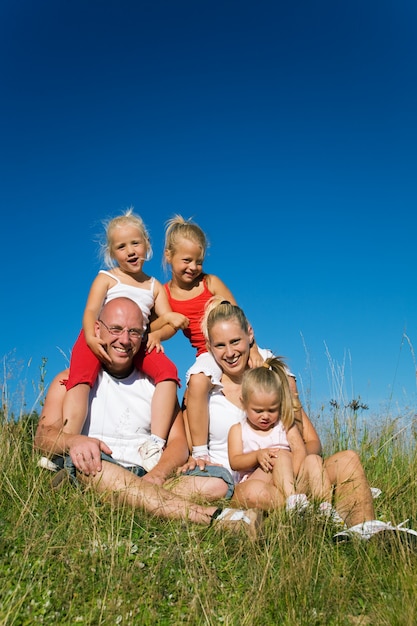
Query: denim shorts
[[215, 471], [65, 462]]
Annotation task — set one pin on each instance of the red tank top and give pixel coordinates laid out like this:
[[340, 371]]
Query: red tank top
[[194, 310]]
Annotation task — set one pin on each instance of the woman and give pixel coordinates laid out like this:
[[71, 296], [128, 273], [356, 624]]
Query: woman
[[229, 338]]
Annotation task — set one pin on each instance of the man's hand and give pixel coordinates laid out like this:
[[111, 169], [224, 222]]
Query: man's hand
[[85, 453]]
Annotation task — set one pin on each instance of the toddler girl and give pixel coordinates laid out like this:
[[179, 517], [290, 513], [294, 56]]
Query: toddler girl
[[268, 445]]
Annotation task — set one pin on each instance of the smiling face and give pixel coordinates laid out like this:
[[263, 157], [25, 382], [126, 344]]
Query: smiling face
[[229, 344], [263, 409], [128, 248], [186, 262], [122, 315]]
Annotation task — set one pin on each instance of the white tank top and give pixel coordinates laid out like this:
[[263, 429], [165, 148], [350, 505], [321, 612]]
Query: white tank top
[[252, 440], [144, 298], [222, 415]]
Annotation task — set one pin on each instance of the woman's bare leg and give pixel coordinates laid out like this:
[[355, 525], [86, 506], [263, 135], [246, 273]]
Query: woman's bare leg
[[353, 497]]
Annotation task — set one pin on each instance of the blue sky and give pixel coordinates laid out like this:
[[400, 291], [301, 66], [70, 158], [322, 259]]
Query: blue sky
[[288, 131]]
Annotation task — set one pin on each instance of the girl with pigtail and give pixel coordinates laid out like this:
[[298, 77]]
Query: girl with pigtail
[[189, 290], [125, 249], [267, 445]]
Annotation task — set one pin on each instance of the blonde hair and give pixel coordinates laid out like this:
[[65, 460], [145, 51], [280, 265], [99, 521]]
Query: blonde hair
[[218, 310], [128, 218], [270, 377], [178, 228]]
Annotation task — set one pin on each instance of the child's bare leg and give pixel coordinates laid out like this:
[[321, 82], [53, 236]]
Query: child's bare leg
[[75, 407], [313, 479], [197, 408], [284, 480], [258, 494], [283, 473], [162, 409], [162, 412]]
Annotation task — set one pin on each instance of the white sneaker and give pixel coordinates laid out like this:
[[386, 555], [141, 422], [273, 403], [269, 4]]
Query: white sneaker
[[150, 453], [326, 510], [372, 528], [248, 520], [297, 502], [46, 463]]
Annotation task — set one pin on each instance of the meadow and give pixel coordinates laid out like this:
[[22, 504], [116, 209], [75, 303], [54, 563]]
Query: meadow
[[66, 557]]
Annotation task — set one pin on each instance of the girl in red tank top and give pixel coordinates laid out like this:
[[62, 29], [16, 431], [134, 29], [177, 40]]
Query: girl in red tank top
[[188, 292]]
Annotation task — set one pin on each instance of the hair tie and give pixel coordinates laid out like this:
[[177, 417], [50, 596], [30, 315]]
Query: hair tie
[[268, 367]]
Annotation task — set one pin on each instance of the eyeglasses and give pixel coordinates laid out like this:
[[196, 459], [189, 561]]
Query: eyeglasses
[[117, 331]]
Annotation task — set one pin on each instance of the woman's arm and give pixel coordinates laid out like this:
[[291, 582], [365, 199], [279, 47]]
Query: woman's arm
[[308, 432], [310, 436]]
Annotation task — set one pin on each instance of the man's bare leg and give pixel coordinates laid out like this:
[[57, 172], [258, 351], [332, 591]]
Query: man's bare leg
[[119, 483]]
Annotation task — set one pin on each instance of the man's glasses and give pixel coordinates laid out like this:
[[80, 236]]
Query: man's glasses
[[117, 331]]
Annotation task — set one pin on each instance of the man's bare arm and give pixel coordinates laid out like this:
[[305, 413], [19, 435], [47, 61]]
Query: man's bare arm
[[54, 437]]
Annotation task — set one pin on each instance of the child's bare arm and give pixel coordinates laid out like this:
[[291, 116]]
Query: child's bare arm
[[245, 461], [196, 410], [177, 321], [255, 358], [164, 322], [96, 296], [218, 288]]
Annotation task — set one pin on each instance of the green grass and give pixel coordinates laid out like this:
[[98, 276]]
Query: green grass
[[68, 558]]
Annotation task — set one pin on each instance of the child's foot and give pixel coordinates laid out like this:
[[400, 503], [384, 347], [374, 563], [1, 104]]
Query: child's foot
[[151, 452], [326, 510]]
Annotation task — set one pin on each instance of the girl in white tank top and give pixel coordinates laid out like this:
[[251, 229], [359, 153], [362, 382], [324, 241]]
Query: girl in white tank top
[[126, 248]]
